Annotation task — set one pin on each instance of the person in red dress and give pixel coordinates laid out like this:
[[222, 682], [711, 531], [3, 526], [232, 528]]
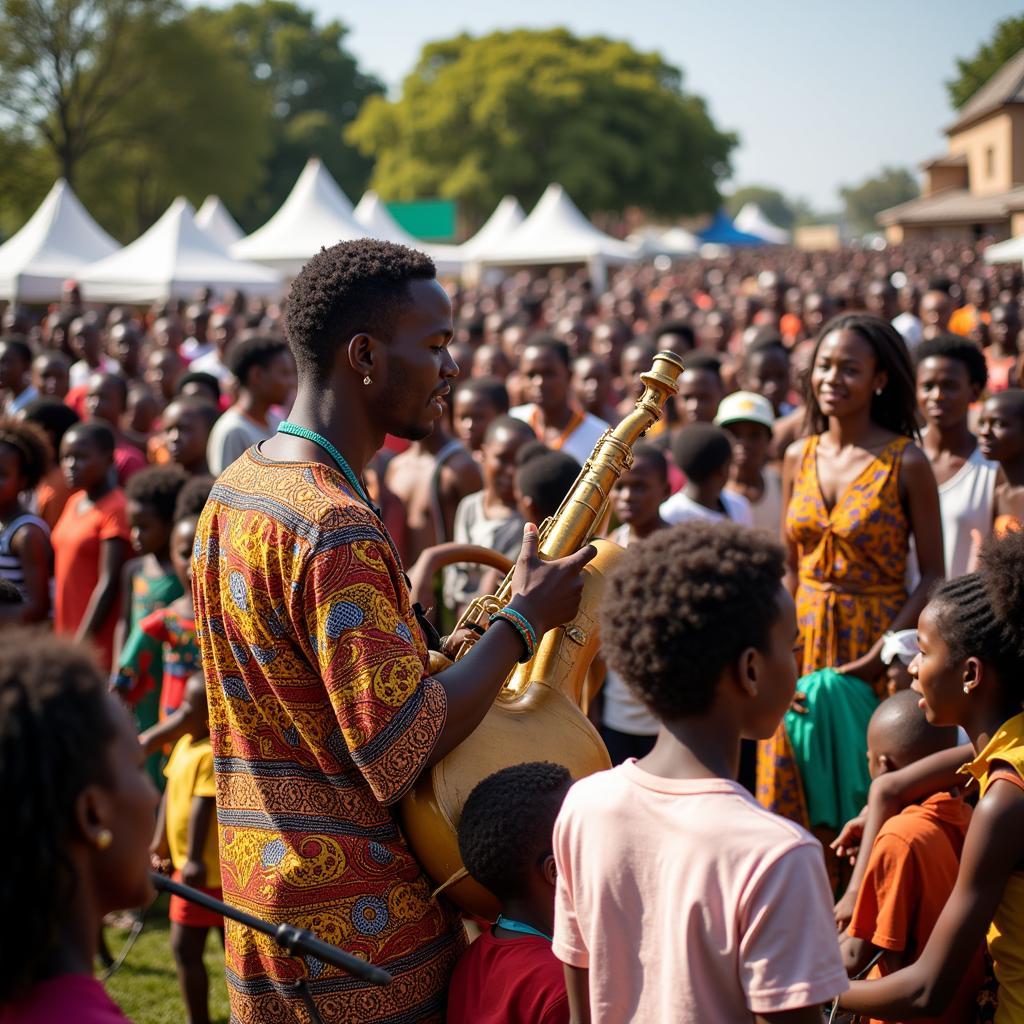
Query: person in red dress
[[90, 540]]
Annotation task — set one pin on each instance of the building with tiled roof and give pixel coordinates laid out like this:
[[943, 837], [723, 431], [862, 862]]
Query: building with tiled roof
[[977, 187]]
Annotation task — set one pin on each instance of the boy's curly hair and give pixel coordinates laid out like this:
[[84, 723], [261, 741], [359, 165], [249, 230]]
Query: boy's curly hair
[[507, 823], [684, 603]]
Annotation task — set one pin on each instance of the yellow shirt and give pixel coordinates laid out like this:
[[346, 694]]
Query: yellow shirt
[[190, 773], [1006, 933]]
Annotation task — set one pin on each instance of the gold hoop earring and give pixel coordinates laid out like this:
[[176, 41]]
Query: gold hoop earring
[[366, 380], [104, 838]]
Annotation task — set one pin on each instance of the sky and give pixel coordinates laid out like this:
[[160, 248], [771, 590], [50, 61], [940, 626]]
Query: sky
[[821, 93]]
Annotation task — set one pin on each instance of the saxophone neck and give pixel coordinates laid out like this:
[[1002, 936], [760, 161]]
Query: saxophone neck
[[585, 506]]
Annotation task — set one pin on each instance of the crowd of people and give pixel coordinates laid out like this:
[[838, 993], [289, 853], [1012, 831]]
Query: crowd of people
[[225, 546]]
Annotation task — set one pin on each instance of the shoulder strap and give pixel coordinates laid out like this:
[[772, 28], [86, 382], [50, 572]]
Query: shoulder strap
[[27, 519], [1006, 775]]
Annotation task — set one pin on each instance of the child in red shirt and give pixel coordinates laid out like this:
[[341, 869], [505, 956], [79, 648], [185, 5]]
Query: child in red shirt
[[509, 975], [90, 541], [914, 860]]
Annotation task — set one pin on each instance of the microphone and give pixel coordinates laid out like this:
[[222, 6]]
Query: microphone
[[297, 941]]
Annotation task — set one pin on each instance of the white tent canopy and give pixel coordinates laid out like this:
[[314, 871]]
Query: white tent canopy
[[378, 222], [173, 260], [505, 218], [556, 232], [653, 241], [214, 219], [59, 240], [316, 214], [1010, 251], [753, 221]]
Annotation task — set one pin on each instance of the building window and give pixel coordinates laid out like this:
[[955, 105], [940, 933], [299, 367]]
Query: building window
[[990, 161]]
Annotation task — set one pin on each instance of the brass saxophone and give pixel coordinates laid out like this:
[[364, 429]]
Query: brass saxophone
[[537, 714]]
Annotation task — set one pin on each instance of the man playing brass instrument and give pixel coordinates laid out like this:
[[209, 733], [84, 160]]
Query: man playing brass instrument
[[322, 714]]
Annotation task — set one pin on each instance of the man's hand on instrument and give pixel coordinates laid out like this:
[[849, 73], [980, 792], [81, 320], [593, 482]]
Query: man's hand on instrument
[[548, 593], [464, 635]]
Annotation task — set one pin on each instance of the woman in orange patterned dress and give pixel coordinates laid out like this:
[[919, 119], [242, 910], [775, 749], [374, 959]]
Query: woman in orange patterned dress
[[856, 491]]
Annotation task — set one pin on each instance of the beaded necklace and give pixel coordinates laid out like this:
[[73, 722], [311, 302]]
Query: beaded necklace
[[287, 427]]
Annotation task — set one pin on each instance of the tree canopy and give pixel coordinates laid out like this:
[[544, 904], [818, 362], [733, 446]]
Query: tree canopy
[[973, 72], [775, 206], [193, 126], [316, 89], [64, 65], [513, 111], [137, 101], [891, 186]]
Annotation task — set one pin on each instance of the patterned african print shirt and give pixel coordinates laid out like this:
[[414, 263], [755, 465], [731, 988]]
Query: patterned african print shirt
[[321, 718]]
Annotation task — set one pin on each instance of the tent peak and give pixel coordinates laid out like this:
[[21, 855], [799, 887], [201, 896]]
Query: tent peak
[[58, 241]]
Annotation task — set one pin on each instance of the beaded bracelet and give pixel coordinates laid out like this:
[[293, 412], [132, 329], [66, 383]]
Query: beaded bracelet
[[523, 621], [525, 632]]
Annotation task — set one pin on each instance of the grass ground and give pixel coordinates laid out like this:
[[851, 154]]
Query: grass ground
[[146, 985]]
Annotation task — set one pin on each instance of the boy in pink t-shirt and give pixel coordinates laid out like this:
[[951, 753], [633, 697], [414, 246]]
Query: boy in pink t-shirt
[[679, 898]]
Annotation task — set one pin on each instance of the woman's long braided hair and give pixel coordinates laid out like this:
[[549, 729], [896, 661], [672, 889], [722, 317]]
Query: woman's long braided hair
[[55, 730]]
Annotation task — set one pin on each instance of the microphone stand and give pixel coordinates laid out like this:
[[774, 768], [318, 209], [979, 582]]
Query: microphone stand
[[298, 941]]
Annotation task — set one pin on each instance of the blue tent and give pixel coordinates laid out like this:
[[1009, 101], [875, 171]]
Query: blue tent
[[722, 231]]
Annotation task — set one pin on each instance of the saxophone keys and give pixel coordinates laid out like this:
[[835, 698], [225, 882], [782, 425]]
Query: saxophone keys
[[576, 635]]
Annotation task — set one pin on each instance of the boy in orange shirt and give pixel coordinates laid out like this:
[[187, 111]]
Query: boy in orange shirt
[[914, 861]]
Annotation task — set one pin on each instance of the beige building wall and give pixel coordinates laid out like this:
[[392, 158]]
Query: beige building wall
[[817, 238], [1016, 116], [897, 233], [989, 148], [939, 179]]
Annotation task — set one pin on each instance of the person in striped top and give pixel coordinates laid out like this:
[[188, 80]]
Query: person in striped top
[[26, 557]]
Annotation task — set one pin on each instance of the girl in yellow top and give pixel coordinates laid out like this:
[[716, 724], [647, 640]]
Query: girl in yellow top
[[970, 672], [186, 837]]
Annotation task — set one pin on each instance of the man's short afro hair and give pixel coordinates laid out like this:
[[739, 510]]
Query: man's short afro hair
[[683, 604], [507, 823], [351, 288]]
